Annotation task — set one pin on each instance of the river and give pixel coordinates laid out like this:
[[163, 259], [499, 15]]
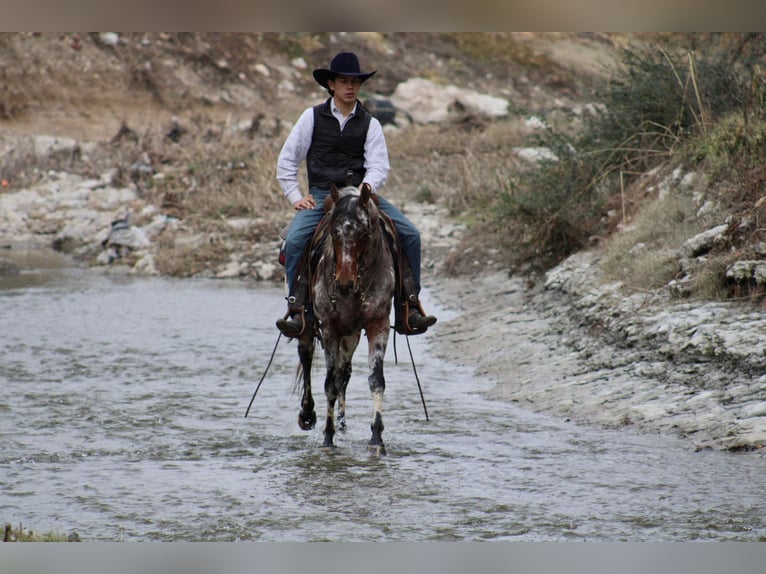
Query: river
[[122, 418]]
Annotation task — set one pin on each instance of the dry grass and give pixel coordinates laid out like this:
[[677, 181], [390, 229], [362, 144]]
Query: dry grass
[[644, 256], [210, 172], [730, 156], [189, 260], [219, 174], [492, 47], [20, 534], [709, 280], [215, 172], [463, 164]]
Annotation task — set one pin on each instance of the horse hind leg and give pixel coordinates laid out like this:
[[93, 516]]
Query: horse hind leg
[[307, 416]]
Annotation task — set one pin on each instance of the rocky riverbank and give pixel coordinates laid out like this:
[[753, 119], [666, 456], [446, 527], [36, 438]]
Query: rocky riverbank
[[645, 361]]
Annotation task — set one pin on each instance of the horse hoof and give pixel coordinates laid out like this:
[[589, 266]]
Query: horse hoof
[[377, 449], [342, 423], [307, 422]]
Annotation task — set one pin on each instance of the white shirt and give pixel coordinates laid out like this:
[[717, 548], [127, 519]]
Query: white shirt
[[297, 145]]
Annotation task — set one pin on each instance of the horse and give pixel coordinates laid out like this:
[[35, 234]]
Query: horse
[[352, 285]]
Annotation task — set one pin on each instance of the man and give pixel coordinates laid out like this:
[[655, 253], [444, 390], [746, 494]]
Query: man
[[341, 142]]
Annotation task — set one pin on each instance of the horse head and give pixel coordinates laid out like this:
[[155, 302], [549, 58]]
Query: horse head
[[353, 222]]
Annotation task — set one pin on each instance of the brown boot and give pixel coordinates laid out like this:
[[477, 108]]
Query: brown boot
[[292, 324], [417, 321], [410, 319]]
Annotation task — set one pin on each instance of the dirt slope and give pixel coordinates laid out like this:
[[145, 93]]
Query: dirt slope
[[85, 85]]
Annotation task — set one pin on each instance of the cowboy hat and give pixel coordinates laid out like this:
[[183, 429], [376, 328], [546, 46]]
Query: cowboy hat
[[343, 64]]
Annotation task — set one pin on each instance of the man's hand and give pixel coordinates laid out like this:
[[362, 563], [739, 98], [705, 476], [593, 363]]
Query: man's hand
[[304, 203]]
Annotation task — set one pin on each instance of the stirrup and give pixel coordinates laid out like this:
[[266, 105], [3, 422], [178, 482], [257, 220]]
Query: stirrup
[[288, 324], [402, 318]]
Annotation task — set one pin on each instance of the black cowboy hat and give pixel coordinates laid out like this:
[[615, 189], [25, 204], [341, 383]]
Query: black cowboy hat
[[343, 64]]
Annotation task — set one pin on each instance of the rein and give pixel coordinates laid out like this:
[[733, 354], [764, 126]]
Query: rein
[[373, 271]]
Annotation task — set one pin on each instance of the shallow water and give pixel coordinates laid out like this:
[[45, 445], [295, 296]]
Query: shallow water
[[122, 417]]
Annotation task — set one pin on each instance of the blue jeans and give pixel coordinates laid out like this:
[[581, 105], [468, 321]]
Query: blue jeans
[[305, 222]]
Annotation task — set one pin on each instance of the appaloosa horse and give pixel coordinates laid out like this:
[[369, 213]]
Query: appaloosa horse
[[352, 286]]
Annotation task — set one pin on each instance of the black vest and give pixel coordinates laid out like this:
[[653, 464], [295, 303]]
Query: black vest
[[334, 153]]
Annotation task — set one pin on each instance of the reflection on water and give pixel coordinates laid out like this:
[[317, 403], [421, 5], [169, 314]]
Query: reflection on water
[[121, 417]]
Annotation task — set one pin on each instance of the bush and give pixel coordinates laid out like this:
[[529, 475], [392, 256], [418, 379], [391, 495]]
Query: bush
[[649, 107]]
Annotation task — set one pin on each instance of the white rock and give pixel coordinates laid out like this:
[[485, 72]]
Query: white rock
[[703, 242], [265, 270], [709, 207], [745, 270], [230, 270], [754, 410], [429, 102], [535, 123], [145, 266], [109, 38], [535, 154], [239, 222], [262, 69], [46, 145]]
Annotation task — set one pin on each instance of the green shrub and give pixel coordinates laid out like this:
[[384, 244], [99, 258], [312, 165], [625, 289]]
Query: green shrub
[[650, 106]]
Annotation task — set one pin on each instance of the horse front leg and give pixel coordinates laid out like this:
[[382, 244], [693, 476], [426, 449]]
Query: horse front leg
[[338, 357], [377, 339], [331, 394], [345, 378], [307, 417], [347, 347]]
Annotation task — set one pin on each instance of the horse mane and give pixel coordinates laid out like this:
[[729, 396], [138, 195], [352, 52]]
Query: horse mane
[[344, 193], [342, 206]]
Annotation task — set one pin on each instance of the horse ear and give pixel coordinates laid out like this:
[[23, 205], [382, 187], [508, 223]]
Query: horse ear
[[330, 200], [364, 198]]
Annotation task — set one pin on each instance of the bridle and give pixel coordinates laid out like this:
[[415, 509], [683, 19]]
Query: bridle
[[365, 275]]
